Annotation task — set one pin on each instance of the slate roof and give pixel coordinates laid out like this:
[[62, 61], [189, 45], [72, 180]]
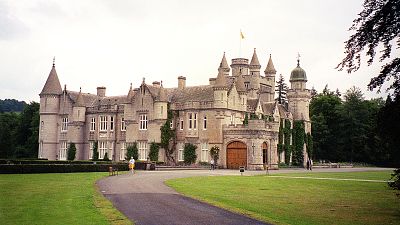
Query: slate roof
[[204, 93], [254, 60], [270, 69], [52, 85]]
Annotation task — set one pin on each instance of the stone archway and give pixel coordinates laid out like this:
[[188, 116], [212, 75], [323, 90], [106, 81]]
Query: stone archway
[[236, 155]]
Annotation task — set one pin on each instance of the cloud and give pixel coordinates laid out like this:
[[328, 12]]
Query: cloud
[[11, 26]]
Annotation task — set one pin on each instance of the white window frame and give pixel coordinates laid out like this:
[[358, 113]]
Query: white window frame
[[204, 152], [123, 124], [195, 121], [180, 153], [142, 147], [190, 121], [62, 154], [205, 123], [122, 152], [112, 123], [91, 145], [102, 149], [93, 124], [143, 122], [103, 123], [64, 124]]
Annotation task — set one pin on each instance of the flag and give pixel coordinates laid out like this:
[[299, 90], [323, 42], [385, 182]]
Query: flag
[[241, 35]]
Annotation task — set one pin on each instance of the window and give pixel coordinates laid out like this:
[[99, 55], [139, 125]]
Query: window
[[41, 126], [181, 122], [91, 145], [123, 125], [64, 124], [40, 155], [180, 153], [161, 110], [62, 155], [195, 121], [143, 122], [122, 153], [92, 124], [205, 123], [102, 149], [232, 119], [142, 150], [171, 125], [204, 152], [190, 121], [246, 85], [103, 123], [112, 123]]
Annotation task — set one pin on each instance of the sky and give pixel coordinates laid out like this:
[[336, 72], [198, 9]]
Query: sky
[[115, 43]]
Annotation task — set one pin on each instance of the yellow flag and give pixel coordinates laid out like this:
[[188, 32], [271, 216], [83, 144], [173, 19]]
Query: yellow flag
[[241, 35]]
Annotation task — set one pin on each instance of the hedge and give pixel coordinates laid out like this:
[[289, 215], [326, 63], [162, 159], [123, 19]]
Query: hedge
[[67, 168], [41, 161]]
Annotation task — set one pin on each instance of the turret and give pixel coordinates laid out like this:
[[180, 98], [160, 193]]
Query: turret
[[240, 66], [241, 89], [224, 66], [161, 104], [79, 109], [221, 90], [49, 116], [76, 127], [269, 79], [254, 65]]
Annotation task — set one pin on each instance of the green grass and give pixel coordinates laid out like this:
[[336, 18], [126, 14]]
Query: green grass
[[300, 201], [69, 198]]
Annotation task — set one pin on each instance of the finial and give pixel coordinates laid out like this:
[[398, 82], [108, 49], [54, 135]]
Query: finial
[[270, 55], [161, 83], [80, 89], [54, 61], [143, 80], [254, 49], [65, 87], [298, 59], [131, 86]]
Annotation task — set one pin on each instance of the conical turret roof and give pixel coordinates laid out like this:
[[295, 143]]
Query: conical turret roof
[[79, 100], [254, 60], [224, 63], [52, 85], [270, 67], [240, 84], [162, 96], [221, 79], [131, 93]]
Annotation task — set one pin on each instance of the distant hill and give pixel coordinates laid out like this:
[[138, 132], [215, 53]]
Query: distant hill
[[11, 105]]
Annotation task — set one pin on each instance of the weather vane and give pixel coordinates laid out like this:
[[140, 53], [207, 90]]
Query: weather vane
[[298, 58]]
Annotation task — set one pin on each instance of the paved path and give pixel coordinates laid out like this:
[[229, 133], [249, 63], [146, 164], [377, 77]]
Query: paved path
[[145, 199]]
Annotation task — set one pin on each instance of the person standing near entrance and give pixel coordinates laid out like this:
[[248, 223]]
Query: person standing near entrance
[[132, 165], [212, 164]]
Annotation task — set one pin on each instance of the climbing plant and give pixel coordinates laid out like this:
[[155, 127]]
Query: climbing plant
[[154, 149], [298, 142], [95, 151], [246, 119], [189, 153], [132, 151], [214, 152], [168, 137], [309, 145], [71, 151]]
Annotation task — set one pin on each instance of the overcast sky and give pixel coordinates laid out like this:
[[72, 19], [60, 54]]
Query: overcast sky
[[115, 43]]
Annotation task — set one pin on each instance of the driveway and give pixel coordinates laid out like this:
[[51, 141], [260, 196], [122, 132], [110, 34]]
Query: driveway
[[145, 199]]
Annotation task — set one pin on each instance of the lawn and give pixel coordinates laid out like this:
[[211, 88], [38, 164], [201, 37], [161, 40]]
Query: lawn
[[299, 201], [69, 198]]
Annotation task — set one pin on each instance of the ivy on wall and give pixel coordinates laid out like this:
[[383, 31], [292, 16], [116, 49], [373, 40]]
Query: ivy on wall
[[298, 142], [168, 137]]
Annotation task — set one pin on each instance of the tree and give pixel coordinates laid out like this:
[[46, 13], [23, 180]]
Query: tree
[[189, 153], [281, 89], [132, 151], [71, 151], [154, 148], [214, 152], [168, 138], [105, 158], [95, 156], [8, 134], [378, 24]]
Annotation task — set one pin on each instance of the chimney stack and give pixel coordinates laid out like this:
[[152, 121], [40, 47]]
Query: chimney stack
[[181, 82], [101, 91]]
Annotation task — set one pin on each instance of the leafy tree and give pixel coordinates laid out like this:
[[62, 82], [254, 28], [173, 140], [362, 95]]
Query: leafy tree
[[168, 138], [214, 152], [395, 181], [378, 24], [313, 92], [189, 153], [71, 151], [132, 151], [95, 156], [8, 134], [281, 89], [11, 105], [154, 149]]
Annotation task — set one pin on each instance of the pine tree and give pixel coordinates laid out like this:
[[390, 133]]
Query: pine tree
[[281, 89], [95, 151]]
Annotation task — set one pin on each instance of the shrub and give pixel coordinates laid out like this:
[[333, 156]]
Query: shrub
[[214, 152], [105, 158], [71, 151], [395, 181], [189, 154], [154, 149], [95, 151], [132, 151]]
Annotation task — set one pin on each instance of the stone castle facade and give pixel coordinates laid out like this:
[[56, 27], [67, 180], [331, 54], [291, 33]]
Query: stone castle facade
[[206, 116]]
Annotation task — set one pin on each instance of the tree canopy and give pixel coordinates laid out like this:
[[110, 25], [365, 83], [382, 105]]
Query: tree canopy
[[378, 24]]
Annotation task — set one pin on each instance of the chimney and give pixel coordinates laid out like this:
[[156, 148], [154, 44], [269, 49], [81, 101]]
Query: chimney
[[181, 82], [101, 91], [156, 83], [212, 81]]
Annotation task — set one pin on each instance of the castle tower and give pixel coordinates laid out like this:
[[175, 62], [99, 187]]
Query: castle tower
[[49, 116], [161, 104], [76, 127], [224, 66], [240, 66], [221, 89], [270, 73], [299, 100], [241, 89]]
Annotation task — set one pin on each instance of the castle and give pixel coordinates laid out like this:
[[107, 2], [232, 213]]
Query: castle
[[206, 116]]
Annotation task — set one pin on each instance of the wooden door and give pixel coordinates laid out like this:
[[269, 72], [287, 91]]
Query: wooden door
[[236, 155]]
